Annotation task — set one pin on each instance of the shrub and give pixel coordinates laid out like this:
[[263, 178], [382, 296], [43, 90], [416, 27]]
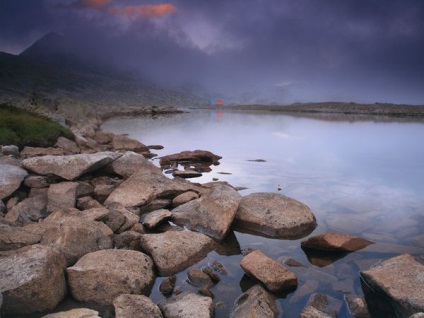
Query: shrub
[[23, 128]]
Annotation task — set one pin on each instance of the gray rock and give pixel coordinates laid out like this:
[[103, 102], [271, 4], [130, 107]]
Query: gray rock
[[167, 286], [69, 167], [129, 163], [274, 215], [418, 315], [2, 207], [75, 313], [10, 150], [357, 306], [174, 251], [145, 186], [12, 238], [274, 276], [191, 156], [38, 181], [336, 242], [255, 303], [184, 198], [127, 219], [88, 203], [186, 174], [28, 152], [64, 195], [198, 278], [401, 279], [68, 146], [135, 306], [28, 211], [152, 219], [187, 305], [121, 142], [211, 214], [321, 306], [32, 279], [11, 178], [129, 240], [104, 275]]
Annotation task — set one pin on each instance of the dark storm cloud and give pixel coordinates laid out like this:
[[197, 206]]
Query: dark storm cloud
[[274, 50]]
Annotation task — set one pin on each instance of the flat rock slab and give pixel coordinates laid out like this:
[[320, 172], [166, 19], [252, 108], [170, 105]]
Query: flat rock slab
[[274, 276], [134, 306], [274, 215], [174, 251], [154, 218], [187, 305], [401, 279], [69, 167], [190, 156], [255, 303], [32, 279], [75, 313], [211, 214], [335, 242], [102, 276], [11, 178], [186, 174], [321, 306], [144, 186]]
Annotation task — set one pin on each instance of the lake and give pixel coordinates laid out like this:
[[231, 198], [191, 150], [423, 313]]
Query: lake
[[363, 178]]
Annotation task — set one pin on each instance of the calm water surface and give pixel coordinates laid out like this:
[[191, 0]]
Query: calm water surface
[[360, 178]]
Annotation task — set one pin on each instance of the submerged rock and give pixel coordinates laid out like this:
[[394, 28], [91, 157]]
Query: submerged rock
[[335, 242], [103, 275], [32, 279], [255, 303], [401, 279], [187, 305], [11, 178], [211, 214], [274, 276], [274, 215], [321, 306], [186, 174], [69, 167], [174, 251]]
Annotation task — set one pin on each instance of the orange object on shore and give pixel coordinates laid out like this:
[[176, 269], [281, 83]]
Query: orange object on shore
[[219, 102]]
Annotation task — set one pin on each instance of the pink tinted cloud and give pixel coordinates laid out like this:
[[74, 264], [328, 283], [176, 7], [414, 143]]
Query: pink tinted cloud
[[135, 12]]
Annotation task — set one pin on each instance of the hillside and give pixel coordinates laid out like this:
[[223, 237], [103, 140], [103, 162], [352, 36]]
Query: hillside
[[50, 77]]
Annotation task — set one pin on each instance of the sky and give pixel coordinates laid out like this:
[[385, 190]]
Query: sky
[[245, 51]]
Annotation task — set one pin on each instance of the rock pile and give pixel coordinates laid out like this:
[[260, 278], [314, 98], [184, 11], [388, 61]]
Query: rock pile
[[96, 211]]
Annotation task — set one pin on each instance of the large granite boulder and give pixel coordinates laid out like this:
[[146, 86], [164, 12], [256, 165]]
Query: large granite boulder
[[144, 186], [187, 305], [129, 163], [321, 306], [190, 156], [274, 276], [102, 276], [11, 178], [401, 279], [211, 214], [335, 242], [12, 238], [255, 303], [32, 279], [274, 215], [69, 167], [135, 306], [174, 251]]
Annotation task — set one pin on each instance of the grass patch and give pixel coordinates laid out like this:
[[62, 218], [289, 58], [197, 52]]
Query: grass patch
[[23, 128]]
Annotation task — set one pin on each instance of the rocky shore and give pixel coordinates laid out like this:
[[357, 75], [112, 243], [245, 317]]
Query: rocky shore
[[95, 220]]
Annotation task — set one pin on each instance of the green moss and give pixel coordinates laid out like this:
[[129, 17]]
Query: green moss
[[22, 128]]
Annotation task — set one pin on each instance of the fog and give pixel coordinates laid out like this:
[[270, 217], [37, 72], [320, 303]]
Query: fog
[[244, 51]]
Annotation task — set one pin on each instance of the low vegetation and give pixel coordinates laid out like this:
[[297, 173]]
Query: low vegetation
[[22, 128]]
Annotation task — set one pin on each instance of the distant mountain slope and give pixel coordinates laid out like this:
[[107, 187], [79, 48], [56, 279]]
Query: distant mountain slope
[[50, 76]]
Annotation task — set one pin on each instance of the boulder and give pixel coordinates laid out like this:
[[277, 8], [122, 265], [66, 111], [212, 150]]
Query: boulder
[[187, 305], [129, 163], [321, 306], [28, 211], [144, 186], [38, 182], [125, 218], [11, 178], [64, 195], [12, 238], [135, 306], [256, 302], [211, 214], [31, 280], [75, 313], [68, 146], [167, 286], [335, 242], [186, 174], [121, 142], [401, 279], [184, 198], [274, 215], [10, 150], [28, 152], [152, 219], [174, 251], [102, 138], [69, 167], [129, 240], [357, 306], [274, 276], [190, 156], [102, 276], [198, 278]]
